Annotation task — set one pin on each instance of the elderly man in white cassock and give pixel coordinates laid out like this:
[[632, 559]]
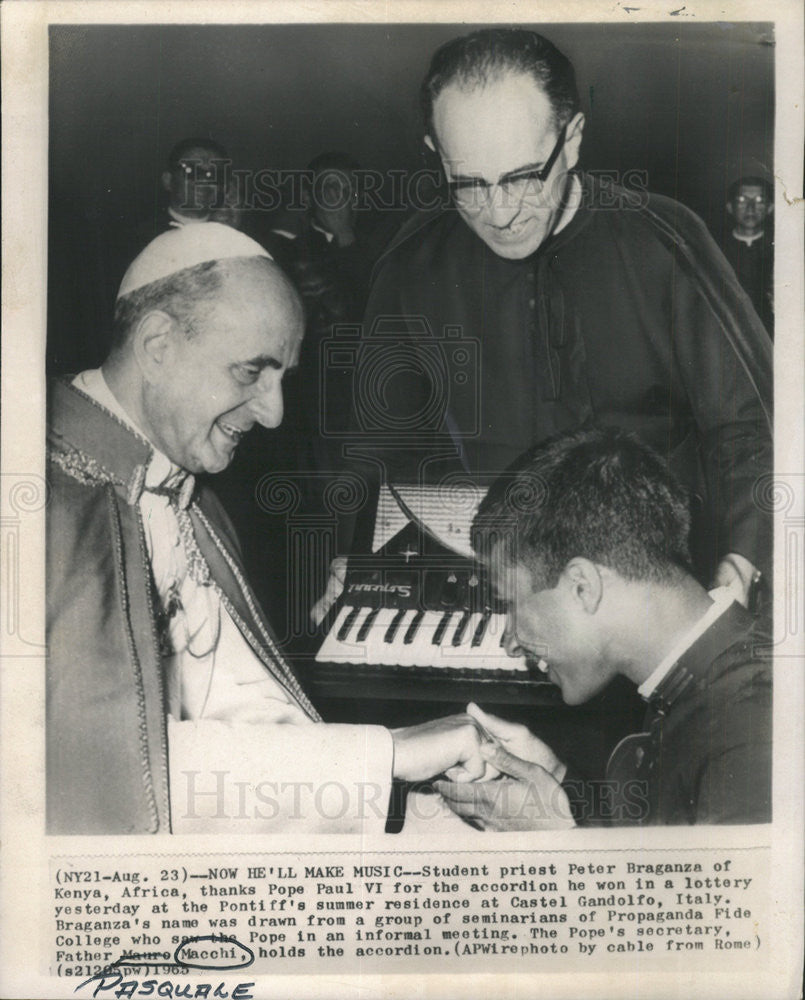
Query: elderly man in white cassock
[[169, 704]]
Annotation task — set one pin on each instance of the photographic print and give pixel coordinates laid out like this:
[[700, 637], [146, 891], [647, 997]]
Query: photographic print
[[403, 500]]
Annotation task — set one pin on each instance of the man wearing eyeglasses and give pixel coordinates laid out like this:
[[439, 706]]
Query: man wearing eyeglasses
[[587, 302], [750, 244], [197, 184]]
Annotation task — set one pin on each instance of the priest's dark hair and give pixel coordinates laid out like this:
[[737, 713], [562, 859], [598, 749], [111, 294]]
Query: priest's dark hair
[[600, 494], [484, 56]]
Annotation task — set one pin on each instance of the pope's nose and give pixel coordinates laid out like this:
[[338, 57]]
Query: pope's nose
[[267, 405]]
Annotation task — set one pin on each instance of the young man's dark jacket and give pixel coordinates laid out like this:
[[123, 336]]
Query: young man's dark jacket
[[705, 755]]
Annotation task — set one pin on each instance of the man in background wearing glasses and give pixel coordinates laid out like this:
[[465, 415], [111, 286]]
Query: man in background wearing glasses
[[587, 302], [749, 247]]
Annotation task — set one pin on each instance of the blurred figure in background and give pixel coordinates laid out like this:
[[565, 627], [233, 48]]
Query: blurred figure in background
[[750, 245], [198, 185], [329, 245]]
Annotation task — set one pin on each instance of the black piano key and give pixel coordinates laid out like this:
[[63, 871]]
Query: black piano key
[[368, 622], [347, 624], [391, 631], [410, 632], [461, 628], [438, 632], [480, 630]]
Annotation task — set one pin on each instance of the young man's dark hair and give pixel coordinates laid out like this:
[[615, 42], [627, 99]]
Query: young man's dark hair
[[599, 494], [185, 146], [735, 188], [474, 60], [333, 160]]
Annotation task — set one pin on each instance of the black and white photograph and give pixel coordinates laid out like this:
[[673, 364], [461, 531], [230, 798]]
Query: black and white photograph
[[403, 500]]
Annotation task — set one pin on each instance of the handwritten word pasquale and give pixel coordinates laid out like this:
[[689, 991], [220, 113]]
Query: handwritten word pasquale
[[125, 989]]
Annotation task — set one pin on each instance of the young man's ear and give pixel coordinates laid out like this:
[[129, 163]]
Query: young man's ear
[[166, 180], [585, 582], [152, 343]]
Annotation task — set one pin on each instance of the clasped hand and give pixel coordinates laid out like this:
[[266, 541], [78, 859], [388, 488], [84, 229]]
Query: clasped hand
[[449, 746], [497, 774], [526, 792]]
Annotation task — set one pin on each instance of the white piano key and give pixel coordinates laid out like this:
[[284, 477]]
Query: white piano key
[[515, 663], [348, 649], [343, 614], [376, 649], [401, 653], [495, 631], [493, 655], [331, 644], [462, 655], [488, 650], [392, 631], [442, 649], [425, 653], [351, 638], [364, 630], [459, 636]]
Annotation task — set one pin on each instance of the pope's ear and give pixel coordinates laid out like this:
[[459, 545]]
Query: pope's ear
[[430, 144], [152, 341]]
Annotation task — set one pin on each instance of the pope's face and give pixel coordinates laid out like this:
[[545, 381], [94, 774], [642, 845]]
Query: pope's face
[[492, 135], [212, 387], [551, 626]]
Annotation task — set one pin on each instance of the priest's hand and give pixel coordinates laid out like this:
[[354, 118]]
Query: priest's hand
[[525, 797], [519, 741]]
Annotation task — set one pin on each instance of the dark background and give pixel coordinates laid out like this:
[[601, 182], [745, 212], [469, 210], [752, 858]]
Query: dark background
[[690, 104]]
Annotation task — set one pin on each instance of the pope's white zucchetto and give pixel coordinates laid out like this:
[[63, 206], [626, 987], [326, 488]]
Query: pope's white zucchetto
[[185, 247]]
